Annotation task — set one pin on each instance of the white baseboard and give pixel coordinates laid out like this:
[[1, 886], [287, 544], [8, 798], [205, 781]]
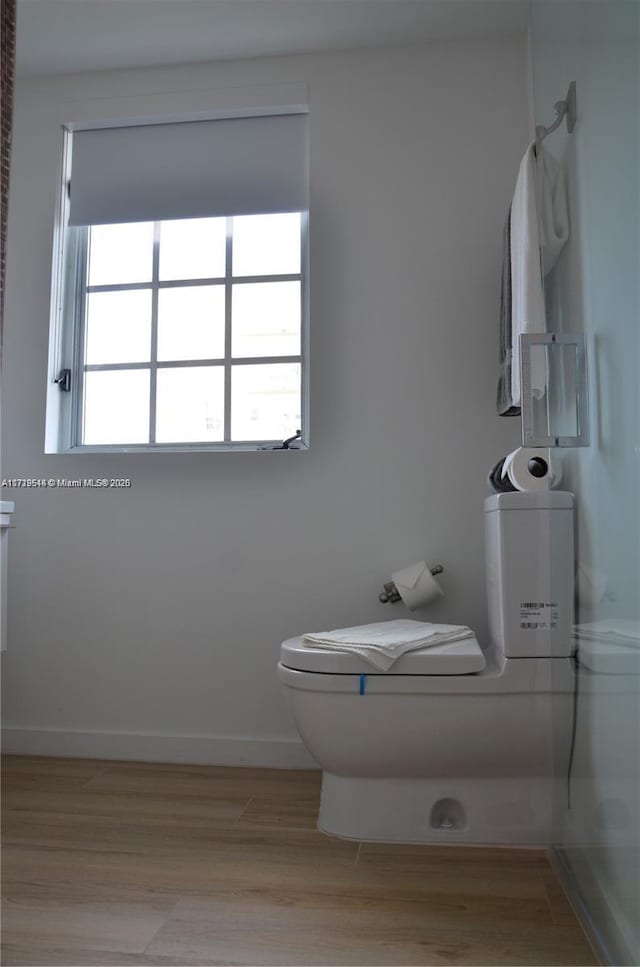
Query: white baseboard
[[606, 927], [218, 750]]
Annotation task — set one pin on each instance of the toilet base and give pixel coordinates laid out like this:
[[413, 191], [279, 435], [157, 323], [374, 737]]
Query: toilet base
[[497, 811]]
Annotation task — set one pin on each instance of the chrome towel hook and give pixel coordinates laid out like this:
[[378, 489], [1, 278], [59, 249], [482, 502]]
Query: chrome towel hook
[[564, 109]]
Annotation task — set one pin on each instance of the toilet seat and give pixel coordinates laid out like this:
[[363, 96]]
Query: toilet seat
[[456, 658]]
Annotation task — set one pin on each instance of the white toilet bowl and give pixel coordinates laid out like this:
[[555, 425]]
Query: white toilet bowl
[[454, 743]]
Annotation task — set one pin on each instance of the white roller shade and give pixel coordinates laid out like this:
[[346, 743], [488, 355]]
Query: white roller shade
[[189, 169]]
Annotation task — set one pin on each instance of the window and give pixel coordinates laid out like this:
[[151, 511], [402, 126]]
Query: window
[[186, 332], [190, 331]]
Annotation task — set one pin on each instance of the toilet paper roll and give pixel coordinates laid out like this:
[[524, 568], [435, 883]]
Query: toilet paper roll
[[416, 585], [528, 468]]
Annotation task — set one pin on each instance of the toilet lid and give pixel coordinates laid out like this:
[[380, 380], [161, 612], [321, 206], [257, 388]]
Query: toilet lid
[[457, 658]]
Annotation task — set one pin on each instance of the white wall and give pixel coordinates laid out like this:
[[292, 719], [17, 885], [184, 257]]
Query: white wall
[[159, 610], [596, 292]]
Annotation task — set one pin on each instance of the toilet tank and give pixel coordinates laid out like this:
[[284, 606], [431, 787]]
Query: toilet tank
[[529, 569]]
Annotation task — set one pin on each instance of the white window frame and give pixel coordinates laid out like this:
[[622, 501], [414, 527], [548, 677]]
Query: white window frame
[[69, 276]]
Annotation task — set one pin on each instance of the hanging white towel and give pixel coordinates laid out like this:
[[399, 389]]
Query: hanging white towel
[[539, 231], [384, 642]]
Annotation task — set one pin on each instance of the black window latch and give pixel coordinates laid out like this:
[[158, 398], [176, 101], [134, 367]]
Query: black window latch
[[63, 379], [286, 444]]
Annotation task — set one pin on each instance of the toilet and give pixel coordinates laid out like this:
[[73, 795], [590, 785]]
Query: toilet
[[460, 742]]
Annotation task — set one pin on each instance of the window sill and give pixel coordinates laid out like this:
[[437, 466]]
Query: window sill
[[274, 446]]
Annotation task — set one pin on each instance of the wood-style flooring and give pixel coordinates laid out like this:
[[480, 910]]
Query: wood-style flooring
[[120, 863]]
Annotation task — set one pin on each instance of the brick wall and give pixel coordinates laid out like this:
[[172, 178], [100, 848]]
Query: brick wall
[[7, 53]]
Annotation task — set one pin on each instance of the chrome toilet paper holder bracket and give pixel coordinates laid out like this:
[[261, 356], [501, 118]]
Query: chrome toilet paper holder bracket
[[391, 595]]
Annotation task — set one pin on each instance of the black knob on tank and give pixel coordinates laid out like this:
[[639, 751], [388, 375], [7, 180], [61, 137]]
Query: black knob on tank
[[538, 467]]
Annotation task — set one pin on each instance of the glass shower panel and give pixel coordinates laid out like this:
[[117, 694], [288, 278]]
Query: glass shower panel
[[593, 290]]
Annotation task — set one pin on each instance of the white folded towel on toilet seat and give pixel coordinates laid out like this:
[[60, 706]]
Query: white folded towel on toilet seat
[[384, 642]]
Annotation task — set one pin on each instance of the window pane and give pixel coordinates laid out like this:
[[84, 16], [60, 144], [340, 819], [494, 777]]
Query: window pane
[[191, 322], [193, 248], [190, 404], [120, 254], [265, 401], [266, 319], [116, 406], [118, 327], [266, 244]]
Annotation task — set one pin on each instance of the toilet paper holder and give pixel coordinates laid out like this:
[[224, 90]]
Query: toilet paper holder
[[391, 595]]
